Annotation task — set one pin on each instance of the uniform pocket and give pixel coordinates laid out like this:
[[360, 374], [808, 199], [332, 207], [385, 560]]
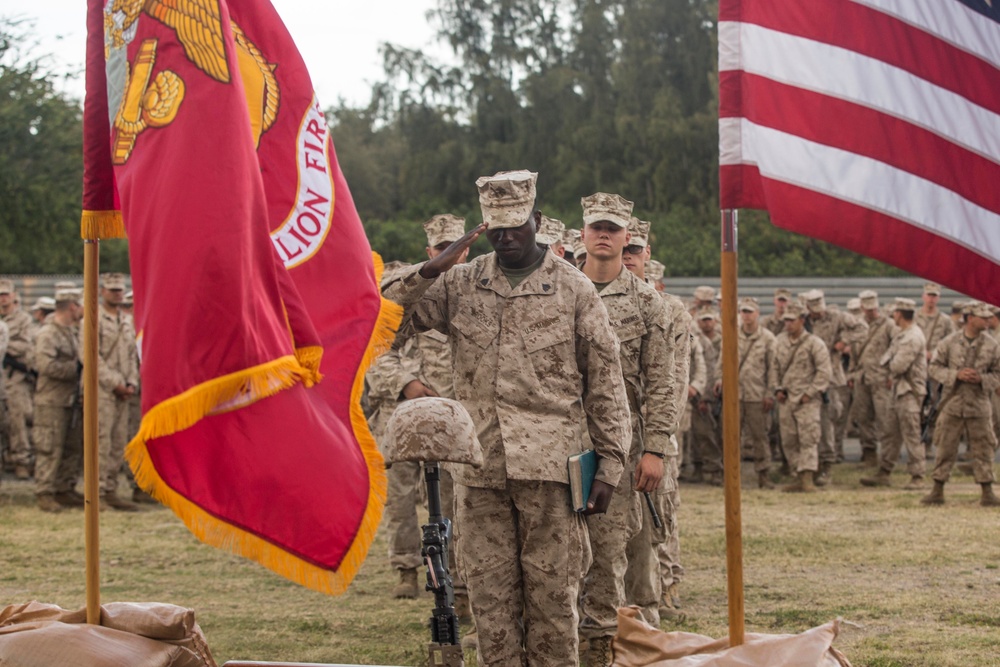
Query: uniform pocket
[[552, 354], [473, 330]]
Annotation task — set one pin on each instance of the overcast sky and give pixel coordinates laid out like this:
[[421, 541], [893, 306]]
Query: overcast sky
[[338, 39]]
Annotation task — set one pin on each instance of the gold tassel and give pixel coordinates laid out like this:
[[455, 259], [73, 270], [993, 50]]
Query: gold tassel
[[310, 358], [102, 225]]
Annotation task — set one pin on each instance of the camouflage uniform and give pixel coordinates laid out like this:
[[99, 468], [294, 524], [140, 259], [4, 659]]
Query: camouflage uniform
[[756, 355], [906, 366], [773, 323], [936, 328], [698, 379], [801, 368], [872, 402], [995, 396], [706, 432], [965, 407], [4, 339], [524, 357], [834, 327], [116, 366], [134, 401], [386, 379], [647, 578], [639, 317], [19, 389], [58, 416]]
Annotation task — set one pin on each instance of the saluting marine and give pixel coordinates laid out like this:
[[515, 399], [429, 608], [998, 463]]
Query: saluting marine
[[535, 359]]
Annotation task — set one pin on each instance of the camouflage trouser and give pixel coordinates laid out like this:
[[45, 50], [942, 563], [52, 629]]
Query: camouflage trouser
[[845, 396], [903, 428], [706, 448], [523, 563], [19, 414], [58, 448], [828, 414], [800, 433], [774, 435], [753, 434], [134, 421], [3, 425], [995, 405], [401, 521], [668, 552], [643, 579], [448, 500], [603, 588], [112, 436], [871, 410], [982, 445]]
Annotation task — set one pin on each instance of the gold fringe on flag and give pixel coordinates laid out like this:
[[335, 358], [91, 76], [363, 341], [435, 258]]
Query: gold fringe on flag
[[101, 225], [310, 358], [185, 410], [390, 316]]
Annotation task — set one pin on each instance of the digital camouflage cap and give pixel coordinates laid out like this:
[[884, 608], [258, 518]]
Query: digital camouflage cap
[[507, 198], [638, 231], [550, 231], [655, 270], [444, 228], [602, 206]]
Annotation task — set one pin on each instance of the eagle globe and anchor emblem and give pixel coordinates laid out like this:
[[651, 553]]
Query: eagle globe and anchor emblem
[[139, 100]]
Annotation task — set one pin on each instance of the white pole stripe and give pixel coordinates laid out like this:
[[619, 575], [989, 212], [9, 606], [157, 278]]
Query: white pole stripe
[[949, 20], [869, 183], [848, 75]]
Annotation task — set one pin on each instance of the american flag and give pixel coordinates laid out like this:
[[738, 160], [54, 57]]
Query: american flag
[[871, 124]]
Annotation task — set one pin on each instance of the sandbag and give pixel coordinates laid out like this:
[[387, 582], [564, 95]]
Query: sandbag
[[132, 634], [639, 644]]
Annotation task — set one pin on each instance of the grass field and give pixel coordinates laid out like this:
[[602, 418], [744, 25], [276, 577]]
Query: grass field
[[920, 586]]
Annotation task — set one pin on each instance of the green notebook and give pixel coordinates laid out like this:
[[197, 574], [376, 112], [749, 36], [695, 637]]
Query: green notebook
[[582, 468]]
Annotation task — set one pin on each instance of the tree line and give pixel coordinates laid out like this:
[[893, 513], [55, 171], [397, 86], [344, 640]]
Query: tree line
[[595, 95]]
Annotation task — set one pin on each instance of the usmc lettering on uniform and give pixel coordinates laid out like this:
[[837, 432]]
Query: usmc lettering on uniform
[[304, 230]]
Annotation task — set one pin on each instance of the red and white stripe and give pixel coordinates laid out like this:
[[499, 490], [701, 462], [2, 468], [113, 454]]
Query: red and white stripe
[[872, 124]]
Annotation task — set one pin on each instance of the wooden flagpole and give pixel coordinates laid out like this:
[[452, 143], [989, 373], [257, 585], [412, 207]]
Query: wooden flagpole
[[91, 458], [731, 428]]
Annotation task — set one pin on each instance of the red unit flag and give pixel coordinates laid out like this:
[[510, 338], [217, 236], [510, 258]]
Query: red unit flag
[[256, 292], [872, 124]]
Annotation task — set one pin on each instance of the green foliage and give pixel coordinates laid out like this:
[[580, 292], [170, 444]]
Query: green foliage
[[594, 95], [41, 174], [612, 95]]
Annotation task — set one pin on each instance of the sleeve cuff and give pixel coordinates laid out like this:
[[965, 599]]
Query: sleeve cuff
[[609, 471]]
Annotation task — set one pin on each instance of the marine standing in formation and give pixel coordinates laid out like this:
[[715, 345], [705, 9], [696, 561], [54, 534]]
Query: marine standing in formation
[[756, 348], [639, 317], [800, 375], [117, 380], [641, 584], [535, 360], [58, 406], [967, 364], [838, 331], [905, 377], [868, 377], [18, 379]]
